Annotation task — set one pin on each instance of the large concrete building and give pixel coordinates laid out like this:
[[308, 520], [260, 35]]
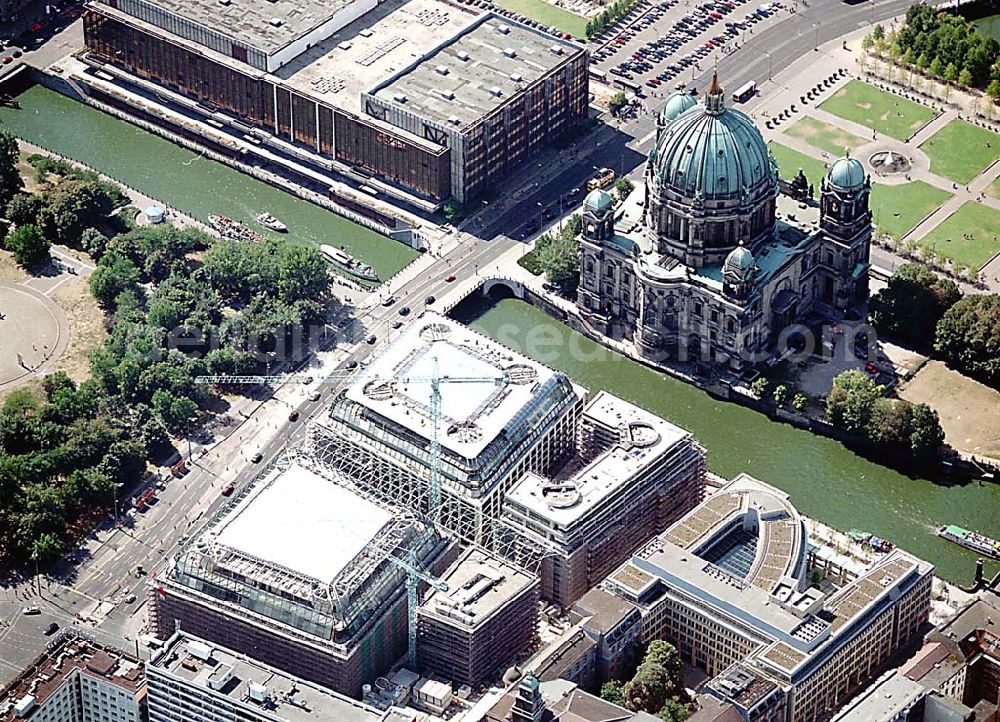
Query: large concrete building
[[633, 474], [698, 266], [511, 415], [485, 620], [423, 98], [299, 572], [192, 680], [77, 679], [730, 585]]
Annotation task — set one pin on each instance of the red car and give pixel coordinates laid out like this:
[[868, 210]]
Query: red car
[[7, 59], [872, 369], [449, 279], [228, 489]]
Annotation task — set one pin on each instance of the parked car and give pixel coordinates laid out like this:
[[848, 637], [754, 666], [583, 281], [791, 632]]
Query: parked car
[[228, 489], [51, 629], [293, 416], [31, 610], [256, 458]]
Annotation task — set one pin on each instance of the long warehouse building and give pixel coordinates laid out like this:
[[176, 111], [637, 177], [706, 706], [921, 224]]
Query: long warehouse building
[[423, 96]]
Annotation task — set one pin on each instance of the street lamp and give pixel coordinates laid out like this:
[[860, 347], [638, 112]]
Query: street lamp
[[816, 36], [768, 65]]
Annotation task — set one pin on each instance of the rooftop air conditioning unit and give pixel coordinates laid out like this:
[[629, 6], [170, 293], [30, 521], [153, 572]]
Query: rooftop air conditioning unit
[[258, 692], [495, 91], [447, 94], [555, 49], [516, 77], [503, 30], [454, 119], [462, 55], [399, 97], [441, 69], [365, 33], [344, 45], [227, 3], [509, 52], [276, 22]]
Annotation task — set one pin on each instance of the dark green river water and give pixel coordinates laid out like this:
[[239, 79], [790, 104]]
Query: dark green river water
[[826, 480], [180, 178]]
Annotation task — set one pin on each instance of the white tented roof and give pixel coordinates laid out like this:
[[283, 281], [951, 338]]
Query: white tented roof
[[305, 523]]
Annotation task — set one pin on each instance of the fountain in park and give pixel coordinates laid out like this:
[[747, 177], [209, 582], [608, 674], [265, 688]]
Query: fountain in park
[[888, 162]]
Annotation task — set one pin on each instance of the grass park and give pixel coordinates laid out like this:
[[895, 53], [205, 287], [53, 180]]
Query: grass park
[[825, 136], [897, 209], [968, 236], [549, 15], [790, 160], [883, 112], [960, 151], [994, 188]]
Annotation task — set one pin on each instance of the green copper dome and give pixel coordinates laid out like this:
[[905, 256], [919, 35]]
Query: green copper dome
[[713, 152], [676, 104], [847, 173], [739, 259], [598, 199]]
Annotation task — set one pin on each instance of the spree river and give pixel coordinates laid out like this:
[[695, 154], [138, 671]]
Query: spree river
[[826, 481], [183, 179]]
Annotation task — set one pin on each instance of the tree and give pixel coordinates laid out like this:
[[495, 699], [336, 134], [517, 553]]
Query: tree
[[800, 402], [951, 72], [923, 62], [965, 78], [649, 689], [936, 67], [890, 422], [666, 655], [993, 91], [454, 212], [611, 691], [674, 710], [46, 548], [867, 42], [560, 261], [623, 186], [968, 337], [878, 32], [113, 275], [10, 177], [93, 243], [23, 209], [850, 402], [912, 303], [759, 387], [29, 246], [781, 394], [926, 435], [617, 103]]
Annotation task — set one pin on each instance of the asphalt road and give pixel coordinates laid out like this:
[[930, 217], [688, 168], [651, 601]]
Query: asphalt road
[[106, 571]]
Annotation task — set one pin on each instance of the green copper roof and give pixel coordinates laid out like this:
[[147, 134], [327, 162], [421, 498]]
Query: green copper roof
[[714, 153], [739, 259], [676, 104], [598, 200], [847, 173]]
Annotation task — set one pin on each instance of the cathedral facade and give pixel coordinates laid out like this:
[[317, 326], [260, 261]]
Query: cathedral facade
[[697, 266]]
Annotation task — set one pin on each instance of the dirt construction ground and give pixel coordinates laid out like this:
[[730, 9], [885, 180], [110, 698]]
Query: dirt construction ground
[[968, 409]]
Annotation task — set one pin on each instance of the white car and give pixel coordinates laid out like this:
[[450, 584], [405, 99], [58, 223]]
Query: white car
[[31, 610]]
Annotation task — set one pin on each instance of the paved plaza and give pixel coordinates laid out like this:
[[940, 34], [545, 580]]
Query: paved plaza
[[34, 333]]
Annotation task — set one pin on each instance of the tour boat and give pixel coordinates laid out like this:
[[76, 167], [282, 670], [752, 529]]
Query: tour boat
[[228, 228], [269, 221], [348, 263], [979, 543], [876, 543]]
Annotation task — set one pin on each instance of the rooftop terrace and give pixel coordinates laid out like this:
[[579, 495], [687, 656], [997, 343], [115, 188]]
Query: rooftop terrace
[[246, 681]]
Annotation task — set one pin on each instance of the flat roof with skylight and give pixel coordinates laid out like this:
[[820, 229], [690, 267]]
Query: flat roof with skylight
[[479, 70], [484, 385]]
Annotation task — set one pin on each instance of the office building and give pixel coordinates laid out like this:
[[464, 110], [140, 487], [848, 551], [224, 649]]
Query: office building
[[77, 679], [485, 620], [730, 584], [422, 98], [633, 474], [299, 572], [193, 680], [504, 415]]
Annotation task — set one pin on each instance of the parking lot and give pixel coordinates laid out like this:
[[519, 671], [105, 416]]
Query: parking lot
[[657, 44]]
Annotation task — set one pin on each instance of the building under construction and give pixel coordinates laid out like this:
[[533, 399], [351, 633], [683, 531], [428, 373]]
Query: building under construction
[[501, 415], [485, 620], [633, 475], [300, 572]]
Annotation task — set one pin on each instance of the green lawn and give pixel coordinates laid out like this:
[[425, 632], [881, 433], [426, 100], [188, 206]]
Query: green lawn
[[885, 112], [824, 136], [960, 151], [994, 189], [790, 160], [548, 14], [977, 220], [897, 209]]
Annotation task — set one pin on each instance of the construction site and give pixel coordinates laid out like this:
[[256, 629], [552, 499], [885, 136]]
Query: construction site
[[381, 550]]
